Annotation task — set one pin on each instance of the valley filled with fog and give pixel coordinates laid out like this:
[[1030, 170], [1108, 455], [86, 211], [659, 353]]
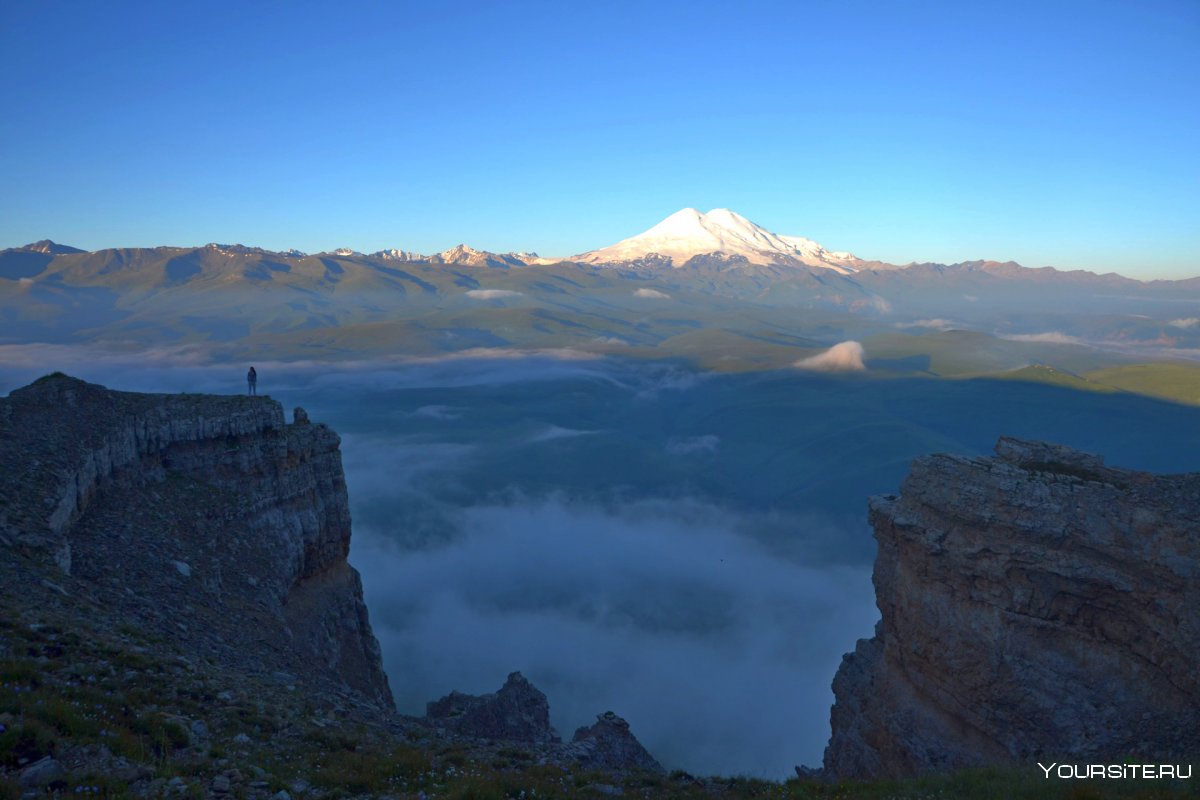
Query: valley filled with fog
[[687, 549]]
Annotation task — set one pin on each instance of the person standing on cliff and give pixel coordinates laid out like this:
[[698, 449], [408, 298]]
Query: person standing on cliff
[[252, 382]]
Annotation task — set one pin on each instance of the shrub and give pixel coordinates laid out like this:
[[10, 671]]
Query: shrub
[[26, 743]]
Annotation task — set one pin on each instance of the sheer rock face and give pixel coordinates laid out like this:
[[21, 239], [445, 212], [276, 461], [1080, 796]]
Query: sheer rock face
[[204, 517], [519, 712], [1036, 605]]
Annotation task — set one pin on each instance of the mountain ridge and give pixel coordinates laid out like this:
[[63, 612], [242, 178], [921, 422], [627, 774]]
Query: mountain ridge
[[48, 247], [720, 235], [465, 255], [247, 302]]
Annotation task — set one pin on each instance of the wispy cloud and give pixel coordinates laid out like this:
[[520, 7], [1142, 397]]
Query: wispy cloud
[[552, 432], [1187, 322], [842, 357], [491, 294], [934, 324], [442, 413], [652, 293], [694, 445], [672, 379], [1048, 337]]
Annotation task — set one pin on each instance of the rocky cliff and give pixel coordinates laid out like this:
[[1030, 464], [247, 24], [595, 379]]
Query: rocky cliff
[[177, 616], [204, 519], [1035, 605]]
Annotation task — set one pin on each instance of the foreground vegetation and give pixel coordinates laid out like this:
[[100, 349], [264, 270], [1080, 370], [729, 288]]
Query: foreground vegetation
[[126, 720]]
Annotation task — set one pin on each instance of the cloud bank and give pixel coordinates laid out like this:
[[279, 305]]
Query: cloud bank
[[842, 357], [193, 368], [1049, 337], [714, 648]]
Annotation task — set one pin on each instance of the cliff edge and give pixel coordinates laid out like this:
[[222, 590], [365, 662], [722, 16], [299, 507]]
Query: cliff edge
[[204, 519], [1035, 605]]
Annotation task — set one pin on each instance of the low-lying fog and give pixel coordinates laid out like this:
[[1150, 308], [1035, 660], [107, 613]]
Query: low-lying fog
[[689, 551]]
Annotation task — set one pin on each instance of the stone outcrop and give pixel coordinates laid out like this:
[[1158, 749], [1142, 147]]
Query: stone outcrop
[[519, 712], [204, 518], [1037, 605], [610, 746]]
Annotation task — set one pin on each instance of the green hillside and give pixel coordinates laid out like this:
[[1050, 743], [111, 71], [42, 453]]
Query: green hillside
[[1166, 380], [1043, 373]]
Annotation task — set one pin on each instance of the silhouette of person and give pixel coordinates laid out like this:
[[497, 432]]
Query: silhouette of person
[[252, 382]]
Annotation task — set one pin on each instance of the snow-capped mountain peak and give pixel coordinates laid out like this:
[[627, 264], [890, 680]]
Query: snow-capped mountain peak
[[469, 256], [461, 252], [395, 254], [689, 232]]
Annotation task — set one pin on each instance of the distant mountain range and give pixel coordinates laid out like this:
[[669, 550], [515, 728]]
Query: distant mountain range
[[712, 286], [719, 237]]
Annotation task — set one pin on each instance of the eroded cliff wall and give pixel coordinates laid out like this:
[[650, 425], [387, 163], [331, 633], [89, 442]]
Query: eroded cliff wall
[[206, 519], [1035, 605]]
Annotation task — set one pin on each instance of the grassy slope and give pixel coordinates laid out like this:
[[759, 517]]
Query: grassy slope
[[1169, 381], [962, 353], [965, 354], [1042, 373], [1176, 382], [63, 693]]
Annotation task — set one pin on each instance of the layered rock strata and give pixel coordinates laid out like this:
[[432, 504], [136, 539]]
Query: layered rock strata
[[1037, 605], [206, 519]]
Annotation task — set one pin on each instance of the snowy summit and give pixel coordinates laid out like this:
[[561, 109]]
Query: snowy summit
[[690, 233]]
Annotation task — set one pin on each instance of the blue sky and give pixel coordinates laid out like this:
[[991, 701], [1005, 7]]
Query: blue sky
[[1063, 133]]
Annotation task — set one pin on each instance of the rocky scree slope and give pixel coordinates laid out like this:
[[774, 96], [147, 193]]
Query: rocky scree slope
[[1037, 605]]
